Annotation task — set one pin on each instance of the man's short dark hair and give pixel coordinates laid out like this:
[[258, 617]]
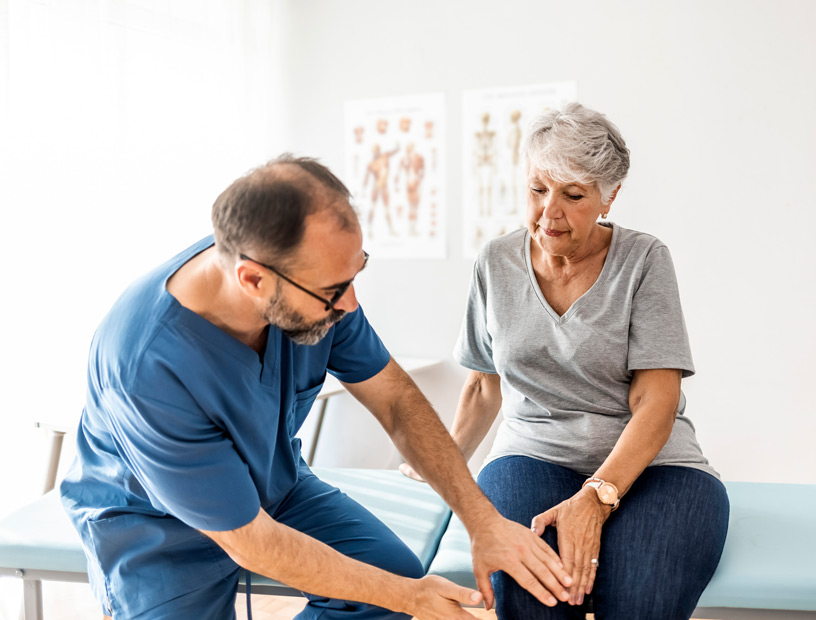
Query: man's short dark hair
[[265, 210]]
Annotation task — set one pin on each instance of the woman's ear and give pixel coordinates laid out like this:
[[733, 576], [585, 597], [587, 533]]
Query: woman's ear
[[614, 195]]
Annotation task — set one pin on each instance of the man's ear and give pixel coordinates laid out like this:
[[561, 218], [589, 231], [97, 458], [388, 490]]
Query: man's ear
[[251, 280]]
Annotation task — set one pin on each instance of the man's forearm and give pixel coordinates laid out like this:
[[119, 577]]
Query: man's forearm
[[274, 550], [497, 544], [423, 440]]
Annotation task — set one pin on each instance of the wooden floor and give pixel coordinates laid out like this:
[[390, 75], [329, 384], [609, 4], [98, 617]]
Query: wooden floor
[[74, 601], [285, 608]]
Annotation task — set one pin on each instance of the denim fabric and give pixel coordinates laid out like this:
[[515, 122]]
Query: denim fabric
[[658, 550]]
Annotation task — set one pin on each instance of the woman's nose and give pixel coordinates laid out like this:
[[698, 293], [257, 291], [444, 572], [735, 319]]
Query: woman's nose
[[550, 210]]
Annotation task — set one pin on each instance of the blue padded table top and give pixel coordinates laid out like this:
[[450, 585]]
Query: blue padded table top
[[412, 509], [768, 561], [39, 536], [453, 560]]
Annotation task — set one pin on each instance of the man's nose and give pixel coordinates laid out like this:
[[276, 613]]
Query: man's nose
[[348, 301]]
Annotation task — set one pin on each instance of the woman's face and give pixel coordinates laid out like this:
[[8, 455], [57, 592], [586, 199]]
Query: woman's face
[[561, 217]]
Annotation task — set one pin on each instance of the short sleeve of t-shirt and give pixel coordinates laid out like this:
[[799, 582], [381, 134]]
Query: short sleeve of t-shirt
[[657, 331], [357, 353], [474, 348], [184, 462]]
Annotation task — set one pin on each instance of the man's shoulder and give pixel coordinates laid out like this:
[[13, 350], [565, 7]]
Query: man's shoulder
[[137, 319]]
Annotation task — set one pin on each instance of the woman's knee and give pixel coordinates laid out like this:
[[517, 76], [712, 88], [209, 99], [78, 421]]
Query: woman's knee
[[515, 603], [521, 487]]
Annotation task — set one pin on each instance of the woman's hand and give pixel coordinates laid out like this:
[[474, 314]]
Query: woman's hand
[[579, 521], [410, 472]]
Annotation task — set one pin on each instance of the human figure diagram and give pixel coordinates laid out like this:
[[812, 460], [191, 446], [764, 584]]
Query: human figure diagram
[[484, 151], [414, 166], [378, 168]]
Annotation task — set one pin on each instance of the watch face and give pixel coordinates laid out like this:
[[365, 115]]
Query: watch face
[[607, 494]]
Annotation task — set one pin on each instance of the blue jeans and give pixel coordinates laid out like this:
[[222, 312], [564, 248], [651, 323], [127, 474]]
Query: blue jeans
[[658, 550]]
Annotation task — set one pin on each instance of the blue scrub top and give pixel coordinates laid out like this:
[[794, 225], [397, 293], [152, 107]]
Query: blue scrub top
[[185, 423]]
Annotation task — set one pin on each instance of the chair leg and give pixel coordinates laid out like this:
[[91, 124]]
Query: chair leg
[[32, 600]]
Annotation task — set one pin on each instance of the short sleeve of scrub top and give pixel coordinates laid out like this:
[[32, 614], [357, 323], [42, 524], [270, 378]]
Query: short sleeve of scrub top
[[357, 353], [184, 463]]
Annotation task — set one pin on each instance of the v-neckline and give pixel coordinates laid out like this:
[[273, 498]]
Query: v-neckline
[[265, 367], [560, 319]]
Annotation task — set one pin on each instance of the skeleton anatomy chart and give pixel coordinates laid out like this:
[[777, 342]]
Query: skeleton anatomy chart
[[494, 190], [395, 170]]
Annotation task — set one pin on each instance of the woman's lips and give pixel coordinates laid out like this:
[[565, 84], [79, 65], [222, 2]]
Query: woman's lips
[[553, 233]]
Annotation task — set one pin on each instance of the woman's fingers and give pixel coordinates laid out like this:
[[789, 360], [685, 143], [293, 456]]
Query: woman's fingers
[[540, 522], [410, 472], [581, 576], [584, 570], [577, 549], [592, 573]]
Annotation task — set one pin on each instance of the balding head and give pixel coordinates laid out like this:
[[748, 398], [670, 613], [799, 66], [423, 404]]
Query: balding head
[[264, 212]]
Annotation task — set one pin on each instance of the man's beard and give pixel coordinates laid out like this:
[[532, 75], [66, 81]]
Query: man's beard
[[293, 325]]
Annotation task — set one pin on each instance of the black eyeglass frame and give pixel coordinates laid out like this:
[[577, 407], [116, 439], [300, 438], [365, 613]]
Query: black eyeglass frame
[[338, 294]]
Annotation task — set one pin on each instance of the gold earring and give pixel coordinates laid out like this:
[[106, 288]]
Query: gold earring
[[603, 215]]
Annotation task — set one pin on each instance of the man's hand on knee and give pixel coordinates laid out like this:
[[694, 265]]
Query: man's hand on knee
[[436, 598], [516, 550]]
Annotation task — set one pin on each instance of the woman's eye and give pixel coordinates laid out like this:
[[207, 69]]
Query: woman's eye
[[574, 196], [538, 190]]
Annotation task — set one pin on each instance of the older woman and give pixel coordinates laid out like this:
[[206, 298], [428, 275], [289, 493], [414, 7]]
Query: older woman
[[574, 329]]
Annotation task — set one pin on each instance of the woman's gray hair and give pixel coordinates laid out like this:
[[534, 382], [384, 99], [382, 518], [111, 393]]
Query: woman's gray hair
[[575, 143]]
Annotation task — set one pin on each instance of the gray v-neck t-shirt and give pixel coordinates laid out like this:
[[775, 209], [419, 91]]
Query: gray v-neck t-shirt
[[565, 379]]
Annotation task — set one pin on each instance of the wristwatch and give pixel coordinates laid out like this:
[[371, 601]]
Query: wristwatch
[[607, 492]]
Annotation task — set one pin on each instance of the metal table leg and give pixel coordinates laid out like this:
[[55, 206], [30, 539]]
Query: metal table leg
[[55, 440]]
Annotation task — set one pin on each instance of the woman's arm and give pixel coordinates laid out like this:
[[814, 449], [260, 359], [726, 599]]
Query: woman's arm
[[653, 398], [479, 403]]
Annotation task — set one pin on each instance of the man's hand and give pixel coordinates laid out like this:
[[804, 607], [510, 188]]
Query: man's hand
[[437, 598], [578, 520], [514, 549]]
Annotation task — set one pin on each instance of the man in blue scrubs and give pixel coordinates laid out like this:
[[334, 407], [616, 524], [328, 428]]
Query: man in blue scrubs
[[198, 379]]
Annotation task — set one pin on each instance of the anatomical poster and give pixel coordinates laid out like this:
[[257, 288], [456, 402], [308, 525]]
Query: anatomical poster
[[494, 122], [395, 169]]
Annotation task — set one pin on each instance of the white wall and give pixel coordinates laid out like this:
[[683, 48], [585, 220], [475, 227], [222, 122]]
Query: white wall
[[115, 139], [715, 100], [120, 122]]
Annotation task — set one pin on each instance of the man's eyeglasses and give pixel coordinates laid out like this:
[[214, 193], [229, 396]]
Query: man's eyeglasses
[[338, 293]]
